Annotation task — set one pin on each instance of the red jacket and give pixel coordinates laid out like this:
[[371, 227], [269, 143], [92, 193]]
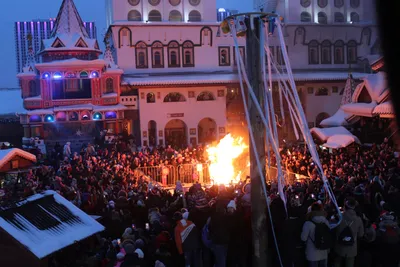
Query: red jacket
[[186, 236]]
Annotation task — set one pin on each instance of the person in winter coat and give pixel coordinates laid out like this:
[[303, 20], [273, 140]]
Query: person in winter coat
[[219, 229], [187, 240], [315, 257], [388, 240], [348, 251], [67, 150]]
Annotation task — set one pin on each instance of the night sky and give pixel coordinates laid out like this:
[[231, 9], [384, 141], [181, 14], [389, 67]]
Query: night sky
[[25, 10]]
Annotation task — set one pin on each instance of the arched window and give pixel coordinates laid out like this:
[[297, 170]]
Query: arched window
[[175, 15], [174, 97], [150, 98], [351, 52], [313, 52], [354, 17], [84, 75], [155, 15], [339, 17], [134, 2], [124, 37], [109, 85], [85, 115], [322, 18], [73, 116], [305, 17], [194, 15], [322, 3], [33, 88], [110, 115], [141, 55], [134, 15], [188, 54], [354, 3], [97, 116], [157, 52], [339, 3], [305, 3], [326, 53], [339, 52], [173, 55], [205, 96], [224, 56]]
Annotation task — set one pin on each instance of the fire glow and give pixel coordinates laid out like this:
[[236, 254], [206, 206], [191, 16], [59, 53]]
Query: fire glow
[[221, 158]]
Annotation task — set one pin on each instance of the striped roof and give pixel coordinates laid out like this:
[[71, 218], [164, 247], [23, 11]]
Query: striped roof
[[45, 223]]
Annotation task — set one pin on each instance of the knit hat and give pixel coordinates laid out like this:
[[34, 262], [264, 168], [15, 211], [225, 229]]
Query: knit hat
[[351, 204], [120, 256], [129, 248], [128, 231], [231, 204], [140, 253]]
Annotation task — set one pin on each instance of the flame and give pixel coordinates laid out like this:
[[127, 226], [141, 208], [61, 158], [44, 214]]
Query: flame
[[222, 156]]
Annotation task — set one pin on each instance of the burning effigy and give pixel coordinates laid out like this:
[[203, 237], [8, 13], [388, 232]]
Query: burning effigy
[[222, 160]]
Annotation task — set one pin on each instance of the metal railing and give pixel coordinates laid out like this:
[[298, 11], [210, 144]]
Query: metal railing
[[290, 177], [185, 173]]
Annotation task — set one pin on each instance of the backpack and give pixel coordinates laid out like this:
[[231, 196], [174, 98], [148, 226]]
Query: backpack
[[346, 237], [323, 237], [205, 236]]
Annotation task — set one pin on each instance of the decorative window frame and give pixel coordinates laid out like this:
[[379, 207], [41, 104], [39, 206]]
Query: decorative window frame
[[227, 50], [107, 87], [339, 17], [339, 44], [279, 56], [305, 17], [354, 3], [338, 3], [324, 16], [352, 45], [173, 46], [354, 17], [175, 16], [322, 3], [303, 3], [137, 13], [313, 45], [157, 46], [326, 45], [188, 46], [141, 47], [154, 15], [196, 14], [198, 98], [322, 91], [151, 101]]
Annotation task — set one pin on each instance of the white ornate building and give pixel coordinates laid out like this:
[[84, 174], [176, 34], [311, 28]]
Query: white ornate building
[[175, 56]]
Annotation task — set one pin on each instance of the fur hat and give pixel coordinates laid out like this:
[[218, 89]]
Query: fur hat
[[185, 215], [139, 243], [159, 264]]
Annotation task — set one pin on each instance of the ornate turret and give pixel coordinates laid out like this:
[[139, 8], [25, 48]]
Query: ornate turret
[[69, 38]]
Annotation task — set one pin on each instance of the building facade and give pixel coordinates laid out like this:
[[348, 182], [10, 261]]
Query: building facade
[[175, 47], [72, 95], [29, 34]]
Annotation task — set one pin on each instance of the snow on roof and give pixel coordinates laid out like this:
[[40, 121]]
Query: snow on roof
[[376, 84], [70, 42], [8, 154], [68, 20], [360, 109], [109, 95], [164, 23], [325, 133], [384, 108], [340, 140], [61, 225], [76, 107], [73, 62], [219, 78], [11, 102], [337, 119]]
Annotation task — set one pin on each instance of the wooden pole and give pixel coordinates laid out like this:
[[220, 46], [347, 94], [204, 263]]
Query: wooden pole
[[258, 201]]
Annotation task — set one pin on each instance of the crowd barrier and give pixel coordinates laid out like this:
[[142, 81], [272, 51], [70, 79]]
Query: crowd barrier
[[185, 173], [290, 177], [191, 173]]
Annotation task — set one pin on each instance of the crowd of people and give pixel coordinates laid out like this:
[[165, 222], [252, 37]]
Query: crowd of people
[[147, 225]]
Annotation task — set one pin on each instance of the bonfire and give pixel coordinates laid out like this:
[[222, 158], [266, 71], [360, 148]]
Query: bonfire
[[222, 160]]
